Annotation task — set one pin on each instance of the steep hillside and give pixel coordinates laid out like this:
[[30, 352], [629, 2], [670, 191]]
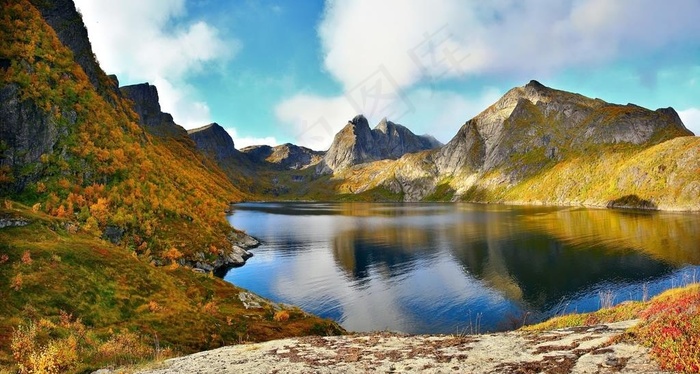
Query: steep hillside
[[216, 144], [94, 197], [77, 150], [537, 145], [356, 144], [74, 303]]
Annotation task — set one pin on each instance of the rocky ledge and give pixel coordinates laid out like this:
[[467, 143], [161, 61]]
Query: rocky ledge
[[8, 221], [237, 256], [591, 349]]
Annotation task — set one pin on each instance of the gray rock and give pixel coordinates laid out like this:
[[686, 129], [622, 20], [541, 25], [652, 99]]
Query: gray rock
[[535, 118], [212, 139], [27, 132], [356, 144], [147, 106], [283, 157], [13, 222], [113, 233], [64, 18]]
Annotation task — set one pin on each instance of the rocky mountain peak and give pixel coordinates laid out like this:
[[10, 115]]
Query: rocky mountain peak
[[535, 85], [383, 125], [357, 144], [147, 106], [213, 140], [545, 121], [359, 120]]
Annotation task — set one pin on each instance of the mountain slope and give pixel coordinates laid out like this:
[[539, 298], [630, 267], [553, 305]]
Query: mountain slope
[[102, 201], [536, 119], [356, 144], [78, 153], [538, 145]]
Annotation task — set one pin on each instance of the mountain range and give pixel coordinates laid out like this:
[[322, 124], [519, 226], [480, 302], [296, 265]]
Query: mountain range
[[535, 145]]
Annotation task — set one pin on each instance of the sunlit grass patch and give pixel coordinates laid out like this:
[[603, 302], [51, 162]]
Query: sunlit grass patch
[[670, 326]]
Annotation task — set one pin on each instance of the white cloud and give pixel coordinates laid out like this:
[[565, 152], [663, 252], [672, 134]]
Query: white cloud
[[241, 142], [315, 120], [691, 119], [419, 39], [442, 113], [381, 51], [151, 41]]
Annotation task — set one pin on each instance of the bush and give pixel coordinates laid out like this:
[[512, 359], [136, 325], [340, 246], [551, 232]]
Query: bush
[[57, 355]]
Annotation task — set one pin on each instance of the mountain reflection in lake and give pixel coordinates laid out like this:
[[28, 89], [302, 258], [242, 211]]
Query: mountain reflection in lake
[[449, 268]]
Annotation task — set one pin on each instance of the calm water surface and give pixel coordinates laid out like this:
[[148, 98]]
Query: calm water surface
[[449, 268]]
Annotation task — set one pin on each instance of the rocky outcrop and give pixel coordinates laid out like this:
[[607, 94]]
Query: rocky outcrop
[[357, 144], [214, 141], [147, 106], [235, 256], [11, 221], [590, 349], [64, 18], [26, 133], [286, 156]]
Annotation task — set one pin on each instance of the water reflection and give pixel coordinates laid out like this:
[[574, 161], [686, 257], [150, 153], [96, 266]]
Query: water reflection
[[428, 268]]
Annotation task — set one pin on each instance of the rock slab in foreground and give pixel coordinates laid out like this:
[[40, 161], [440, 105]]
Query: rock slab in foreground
[[574, 350]]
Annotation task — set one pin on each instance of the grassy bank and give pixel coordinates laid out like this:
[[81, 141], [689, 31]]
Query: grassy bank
[[670, 326], [73, 303]]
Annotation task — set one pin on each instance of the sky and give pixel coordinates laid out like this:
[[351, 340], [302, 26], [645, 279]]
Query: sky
[[272, 71]]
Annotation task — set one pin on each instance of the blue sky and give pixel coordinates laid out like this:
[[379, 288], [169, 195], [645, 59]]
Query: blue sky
[[281, 71]]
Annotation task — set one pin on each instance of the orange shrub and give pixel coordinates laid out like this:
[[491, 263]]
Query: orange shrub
[[281, 316]]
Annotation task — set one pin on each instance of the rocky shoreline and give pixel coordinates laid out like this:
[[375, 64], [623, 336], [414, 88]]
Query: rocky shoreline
[[591, 349], [238, 255]]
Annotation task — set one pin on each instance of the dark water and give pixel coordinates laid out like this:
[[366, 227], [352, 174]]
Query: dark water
[[450, 268]]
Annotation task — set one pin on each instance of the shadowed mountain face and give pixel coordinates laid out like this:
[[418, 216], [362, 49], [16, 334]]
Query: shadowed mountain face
[[215, 142], [285, 156], [147, 106], [357, 144]]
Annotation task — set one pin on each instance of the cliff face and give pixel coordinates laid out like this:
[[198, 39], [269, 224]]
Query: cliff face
[[26, 133], [214, 141], [147, 106], [65, 20], [356, 144]]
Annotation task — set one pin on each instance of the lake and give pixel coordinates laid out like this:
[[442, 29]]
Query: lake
[[458, 267]]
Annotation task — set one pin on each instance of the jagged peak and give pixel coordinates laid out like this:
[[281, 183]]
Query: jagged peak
[[146, 92], [535, 85], [359, 120], [384, 125], [213, 126]]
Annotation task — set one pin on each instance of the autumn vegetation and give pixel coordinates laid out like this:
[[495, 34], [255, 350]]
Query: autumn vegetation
[[71, 300], [82, 303], [669, 325], [108, 171]]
